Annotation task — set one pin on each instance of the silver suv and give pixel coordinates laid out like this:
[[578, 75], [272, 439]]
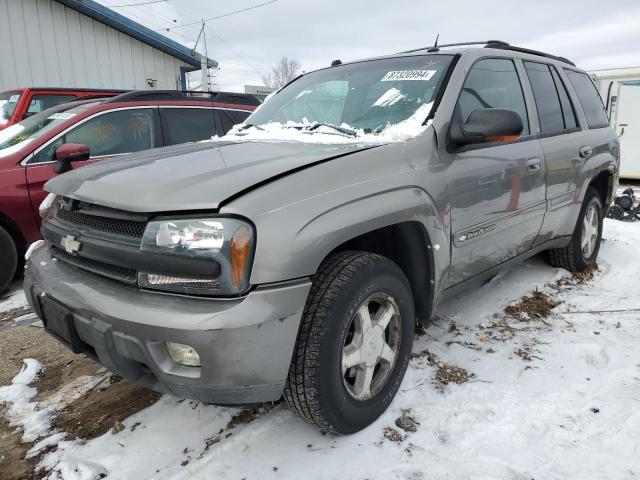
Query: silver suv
[[295, 255]]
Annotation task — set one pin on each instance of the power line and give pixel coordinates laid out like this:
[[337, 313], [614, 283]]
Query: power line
[[251, 67], [222, 16], [137, 4]]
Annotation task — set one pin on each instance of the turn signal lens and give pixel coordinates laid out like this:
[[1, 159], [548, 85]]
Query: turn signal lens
[[240, 254], [47, 209]]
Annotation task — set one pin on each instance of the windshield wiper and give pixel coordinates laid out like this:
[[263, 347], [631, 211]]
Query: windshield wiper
[[344, 130], [247, 126]]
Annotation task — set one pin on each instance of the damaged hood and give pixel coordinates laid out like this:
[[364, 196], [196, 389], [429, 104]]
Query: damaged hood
[[197, 176]]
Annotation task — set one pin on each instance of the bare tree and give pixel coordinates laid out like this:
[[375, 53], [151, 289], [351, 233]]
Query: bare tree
[[285, 71]]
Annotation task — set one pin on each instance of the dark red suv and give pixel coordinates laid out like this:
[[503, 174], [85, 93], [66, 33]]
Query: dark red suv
[[20, 103], [56, 140]]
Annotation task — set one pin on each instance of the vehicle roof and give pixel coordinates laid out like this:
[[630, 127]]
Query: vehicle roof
[[66, 89], [461, 48]]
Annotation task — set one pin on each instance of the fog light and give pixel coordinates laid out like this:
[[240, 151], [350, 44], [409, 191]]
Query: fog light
[[183, 354]]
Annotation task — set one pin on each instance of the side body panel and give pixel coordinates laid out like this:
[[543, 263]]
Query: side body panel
[[497, 201], [568, 173], [14, 199], [302, 217]]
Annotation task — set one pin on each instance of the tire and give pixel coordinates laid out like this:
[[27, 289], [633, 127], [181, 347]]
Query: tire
[[8, 259], [573, 257], [331, 335]]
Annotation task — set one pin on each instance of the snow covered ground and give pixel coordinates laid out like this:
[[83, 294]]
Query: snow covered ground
[[548, 398]]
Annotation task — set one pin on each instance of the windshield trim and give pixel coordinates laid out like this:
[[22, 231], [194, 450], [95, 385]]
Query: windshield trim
[[436, 94], [373, 59]]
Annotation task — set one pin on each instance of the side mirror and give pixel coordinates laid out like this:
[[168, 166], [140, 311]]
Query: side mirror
[[485, 124], [70, 152]]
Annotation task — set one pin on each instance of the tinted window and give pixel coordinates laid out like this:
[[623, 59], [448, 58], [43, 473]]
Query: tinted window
[[182, 125], [113, 133], [229, 118], [40, 103], [546, 96], [237, 116], [589, 99], [567, 109], [492, 83]]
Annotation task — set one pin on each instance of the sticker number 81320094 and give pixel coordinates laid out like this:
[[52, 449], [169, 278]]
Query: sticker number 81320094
[[424, 75]]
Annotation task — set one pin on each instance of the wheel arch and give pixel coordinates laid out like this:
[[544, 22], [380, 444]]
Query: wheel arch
[[13, 230], [409, 246], [604, 183]]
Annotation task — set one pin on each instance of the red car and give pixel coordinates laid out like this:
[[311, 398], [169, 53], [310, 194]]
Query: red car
[[21, 103], [53, 141]]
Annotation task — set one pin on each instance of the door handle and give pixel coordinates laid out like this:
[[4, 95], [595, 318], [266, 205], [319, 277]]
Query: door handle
[[533, 165], [586, 151]]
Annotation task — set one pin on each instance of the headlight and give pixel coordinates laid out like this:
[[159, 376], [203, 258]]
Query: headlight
[[48, 207], [228, 241]]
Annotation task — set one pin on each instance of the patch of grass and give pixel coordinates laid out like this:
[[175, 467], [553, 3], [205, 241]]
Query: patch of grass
[[449, 373]]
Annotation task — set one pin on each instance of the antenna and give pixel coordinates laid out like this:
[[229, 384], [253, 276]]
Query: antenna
[[435, 45]]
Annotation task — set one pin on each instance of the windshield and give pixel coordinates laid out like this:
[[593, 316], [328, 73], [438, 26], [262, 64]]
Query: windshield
[[8, 103], [17, 136], [369, 97]]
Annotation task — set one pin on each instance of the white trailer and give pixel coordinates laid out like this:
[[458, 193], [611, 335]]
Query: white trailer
[[620, 90]]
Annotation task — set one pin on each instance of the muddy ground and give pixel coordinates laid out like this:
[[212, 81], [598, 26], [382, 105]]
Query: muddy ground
[[97, 411]]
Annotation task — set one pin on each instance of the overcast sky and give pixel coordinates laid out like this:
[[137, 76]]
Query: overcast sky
[[594, 34]]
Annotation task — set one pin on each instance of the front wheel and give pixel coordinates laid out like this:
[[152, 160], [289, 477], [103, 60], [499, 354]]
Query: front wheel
[[354, 343], [8, 259], [587, 236]]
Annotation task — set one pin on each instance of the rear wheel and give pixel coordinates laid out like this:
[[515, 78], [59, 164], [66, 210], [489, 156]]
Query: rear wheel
[[587, 236], [354, 343], [8, 259]]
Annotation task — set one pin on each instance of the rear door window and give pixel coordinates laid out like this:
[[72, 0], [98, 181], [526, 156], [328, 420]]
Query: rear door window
[[567, 108], [40, 102], [229, 118], [182, 125], [589, 99], [546, 97]]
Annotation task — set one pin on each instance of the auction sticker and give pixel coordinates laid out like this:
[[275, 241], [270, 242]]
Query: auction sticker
[[14, 98], [61, 116], [395, 76]]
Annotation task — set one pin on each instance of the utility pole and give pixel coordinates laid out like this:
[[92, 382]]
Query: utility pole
[[204, 59]]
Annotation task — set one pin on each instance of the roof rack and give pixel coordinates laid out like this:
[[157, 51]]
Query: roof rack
[[151, 95], [499, 44], [531, 52], [436, 47]]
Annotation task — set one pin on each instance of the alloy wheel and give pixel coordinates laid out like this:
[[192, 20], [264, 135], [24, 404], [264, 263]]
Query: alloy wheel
[[371, 346]]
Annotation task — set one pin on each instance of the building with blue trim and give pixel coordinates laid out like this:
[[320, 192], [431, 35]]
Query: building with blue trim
[[81, 43]]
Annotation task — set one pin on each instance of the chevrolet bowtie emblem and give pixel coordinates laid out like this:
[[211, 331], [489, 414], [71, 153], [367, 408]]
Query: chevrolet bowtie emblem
[[70, 244]]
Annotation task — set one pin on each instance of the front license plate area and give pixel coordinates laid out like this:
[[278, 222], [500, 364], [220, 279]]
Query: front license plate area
[[58, 321]]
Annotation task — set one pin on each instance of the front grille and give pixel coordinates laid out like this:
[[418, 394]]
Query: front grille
[[127, 275], [115, 226]]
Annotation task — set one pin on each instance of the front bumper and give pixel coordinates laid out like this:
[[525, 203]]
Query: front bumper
[[245, 345]]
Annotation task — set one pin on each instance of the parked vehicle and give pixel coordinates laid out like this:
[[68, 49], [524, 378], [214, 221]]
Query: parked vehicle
[[35, 150], [21, 103], [296, 254]]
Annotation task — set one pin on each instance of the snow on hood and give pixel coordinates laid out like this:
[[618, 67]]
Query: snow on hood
[[298, 132]]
